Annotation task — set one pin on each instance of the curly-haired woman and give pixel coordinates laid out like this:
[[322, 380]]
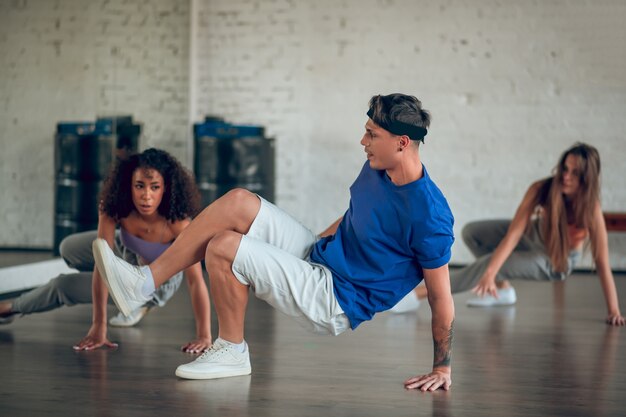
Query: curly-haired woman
[[152, 198]]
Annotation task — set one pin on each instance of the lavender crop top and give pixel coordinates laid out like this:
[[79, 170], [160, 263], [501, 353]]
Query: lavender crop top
[[149, 251]]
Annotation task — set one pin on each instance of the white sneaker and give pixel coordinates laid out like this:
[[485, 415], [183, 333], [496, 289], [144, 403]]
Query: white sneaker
[[123, 279], [220, 361], [409, 303], [129, 321], [506, 297]]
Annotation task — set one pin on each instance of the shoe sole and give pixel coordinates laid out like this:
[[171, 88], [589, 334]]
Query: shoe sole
[[226, 374], [105, 272]]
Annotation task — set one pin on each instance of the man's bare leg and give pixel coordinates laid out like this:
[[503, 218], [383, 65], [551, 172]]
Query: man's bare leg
[[235, 211], [229, 355], [230, 297]]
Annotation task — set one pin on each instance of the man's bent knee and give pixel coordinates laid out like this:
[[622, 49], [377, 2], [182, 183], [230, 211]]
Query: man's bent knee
[[240, 196], [220, 255], [222, 248]]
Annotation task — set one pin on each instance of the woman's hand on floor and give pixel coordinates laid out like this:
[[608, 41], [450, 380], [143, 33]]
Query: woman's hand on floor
[[198, 345], [96, 337], [616, 320], [486, 286]]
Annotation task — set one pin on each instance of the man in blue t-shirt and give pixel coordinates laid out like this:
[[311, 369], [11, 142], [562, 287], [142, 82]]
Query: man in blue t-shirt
[[396, 232]]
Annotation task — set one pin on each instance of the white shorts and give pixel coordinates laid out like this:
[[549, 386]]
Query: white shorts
[[273, 259]]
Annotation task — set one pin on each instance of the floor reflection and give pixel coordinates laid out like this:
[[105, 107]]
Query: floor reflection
[[227, 397]]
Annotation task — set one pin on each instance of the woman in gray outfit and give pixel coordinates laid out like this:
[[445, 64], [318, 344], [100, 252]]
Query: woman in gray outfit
[[557, 217]]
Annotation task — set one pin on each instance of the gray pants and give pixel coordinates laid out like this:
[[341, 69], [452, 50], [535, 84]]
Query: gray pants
[[528, 261], [70, 289]]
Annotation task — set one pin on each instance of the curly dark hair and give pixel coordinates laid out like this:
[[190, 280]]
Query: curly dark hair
[[181, 198]]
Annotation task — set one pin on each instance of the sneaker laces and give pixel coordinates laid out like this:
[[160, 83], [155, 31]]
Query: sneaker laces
[[214, 352]]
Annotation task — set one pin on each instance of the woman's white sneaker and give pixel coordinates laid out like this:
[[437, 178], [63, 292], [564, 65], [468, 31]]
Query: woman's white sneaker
[[506, 297], [135, 317], [408, 304], [221, 360]]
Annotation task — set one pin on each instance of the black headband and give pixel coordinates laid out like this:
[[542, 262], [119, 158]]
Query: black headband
[[401, 128]]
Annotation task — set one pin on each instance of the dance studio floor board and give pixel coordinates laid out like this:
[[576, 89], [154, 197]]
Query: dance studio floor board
[[551, 355]]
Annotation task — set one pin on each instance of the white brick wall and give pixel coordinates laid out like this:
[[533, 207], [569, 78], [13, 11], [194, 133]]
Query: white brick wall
[[510, 85], [73, 60]]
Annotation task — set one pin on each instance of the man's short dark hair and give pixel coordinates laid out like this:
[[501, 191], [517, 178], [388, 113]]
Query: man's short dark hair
[[398, 108]]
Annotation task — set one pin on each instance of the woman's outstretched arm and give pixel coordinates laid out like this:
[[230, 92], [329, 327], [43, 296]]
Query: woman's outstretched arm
[[487, 283], [97, 334], [605, 274]]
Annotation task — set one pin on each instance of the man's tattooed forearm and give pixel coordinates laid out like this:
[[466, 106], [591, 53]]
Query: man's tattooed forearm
[[443, 348]]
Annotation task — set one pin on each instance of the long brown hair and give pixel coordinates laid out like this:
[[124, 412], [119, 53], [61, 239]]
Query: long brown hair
[[558, 211]]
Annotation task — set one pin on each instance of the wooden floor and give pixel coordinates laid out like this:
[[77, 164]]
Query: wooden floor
[[551, 355]]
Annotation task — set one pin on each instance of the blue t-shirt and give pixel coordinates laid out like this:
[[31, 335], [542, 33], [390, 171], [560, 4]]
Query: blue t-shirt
[[386, 237]]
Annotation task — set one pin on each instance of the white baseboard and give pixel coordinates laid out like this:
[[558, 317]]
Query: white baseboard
[[22, 277]]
